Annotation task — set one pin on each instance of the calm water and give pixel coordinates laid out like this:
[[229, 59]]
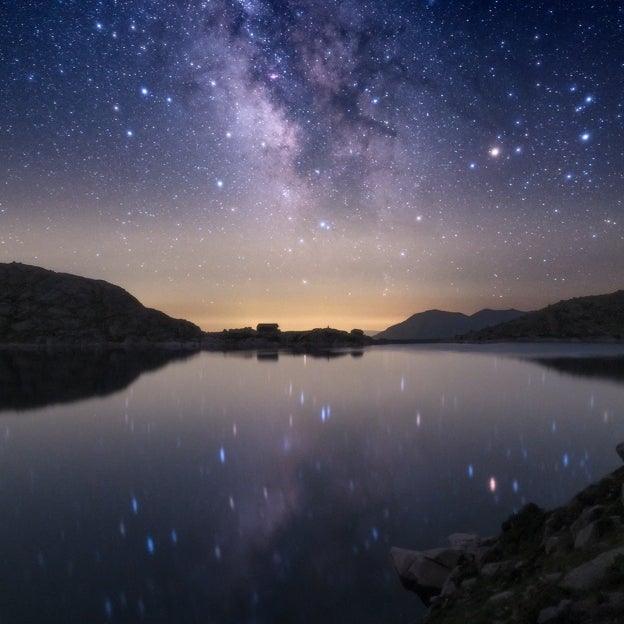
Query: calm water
[[243, 489]]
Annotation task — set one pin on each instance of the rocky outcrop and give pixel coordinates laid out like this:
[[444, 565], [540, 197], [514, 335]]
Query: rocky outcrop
[[38, 306], [427, 573], [310, 341], [325, 338], [566, 565], [599, 317]]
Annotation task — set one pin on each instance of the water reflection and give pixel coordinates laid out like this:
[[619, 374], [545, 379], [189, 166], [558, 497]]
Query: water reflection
[[31, 379], [323, 354], [611, 368], [230, 490]]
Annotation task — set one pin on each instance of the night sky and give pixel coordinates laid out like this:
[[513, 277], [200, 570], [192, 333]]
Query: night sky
[[316, 162]]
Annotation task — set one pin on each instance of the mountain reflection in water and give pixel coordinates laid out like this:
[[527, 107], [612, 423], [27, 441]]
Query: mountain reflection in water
[[226, 488], [611, 368], [30, 379]]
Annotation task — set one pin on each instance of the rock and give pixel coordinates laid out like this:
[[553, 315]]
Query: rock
[[592, 574], [586, 517], [523, 525], [615, 599], [466, 542], [594, 531], [501, 597], [497, 567], [531, 572], [425, 572], [620, 450], [449, 588], [556, 544], [552, 578], [551, 614]]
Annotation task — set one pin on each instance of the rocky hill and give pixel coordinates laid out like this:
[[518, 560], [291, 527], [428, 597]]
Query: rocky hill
[[38, 306], [599, 317], [442, 325]]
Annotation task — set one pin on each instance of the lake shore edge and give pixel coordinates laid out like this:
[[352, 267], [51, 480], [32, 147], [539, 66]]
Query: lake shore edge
[[563, 565]]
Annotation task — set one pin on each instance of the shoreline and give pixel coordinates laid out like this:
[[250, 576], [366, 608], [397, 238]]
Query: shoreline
[[562, 565], [292, 341]]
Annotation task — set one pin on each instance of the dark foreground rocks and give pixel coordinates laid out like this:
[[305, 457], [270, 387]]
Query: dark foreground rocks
[[565, 565]]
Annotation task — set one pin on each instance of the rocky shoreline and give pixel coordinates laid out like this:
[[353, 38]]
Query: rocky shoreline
[[545, 567]]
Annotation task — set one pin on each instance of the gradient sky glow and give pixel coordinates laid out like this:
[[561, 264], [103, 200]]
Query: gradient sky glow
[[316, 162]]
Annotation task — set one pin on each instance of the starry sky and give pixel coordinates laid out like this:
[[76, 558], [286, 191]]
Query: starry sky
[[316, 162]]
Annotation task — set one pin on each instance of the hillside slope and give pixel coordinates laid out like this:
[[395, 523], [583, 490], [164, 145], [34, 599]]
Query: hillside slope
[[597, 317], [44, 307]]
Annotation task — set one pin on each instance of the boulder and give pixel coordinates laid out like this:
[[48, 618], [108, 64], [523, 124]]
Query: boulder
[[552, 614], [595, 531], [466, 542], [592, 574], [425, 572], [586, 517]]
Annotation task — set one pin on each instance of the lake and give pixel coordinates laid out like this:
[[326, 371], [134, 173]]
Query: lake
[[269, 488]]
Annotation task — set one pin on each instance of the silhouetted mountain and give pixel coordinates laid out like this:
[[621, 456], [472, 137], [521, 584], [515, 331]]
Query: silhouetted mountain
[[598, 317], [441, 325], [43, 307]]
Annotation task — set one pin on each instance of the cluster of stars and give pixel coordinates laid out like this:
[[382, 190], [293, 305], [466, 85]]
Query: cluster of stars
[[244, 124]]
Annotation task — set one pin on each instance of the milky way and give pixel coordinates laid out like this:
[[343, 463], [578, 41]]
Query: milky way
[[316, 162]]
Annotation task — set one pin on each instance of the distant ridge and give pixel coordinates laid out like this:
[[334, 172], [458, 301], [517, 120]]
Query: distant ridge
[[39, 306], [441, 325], [596, 317]]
